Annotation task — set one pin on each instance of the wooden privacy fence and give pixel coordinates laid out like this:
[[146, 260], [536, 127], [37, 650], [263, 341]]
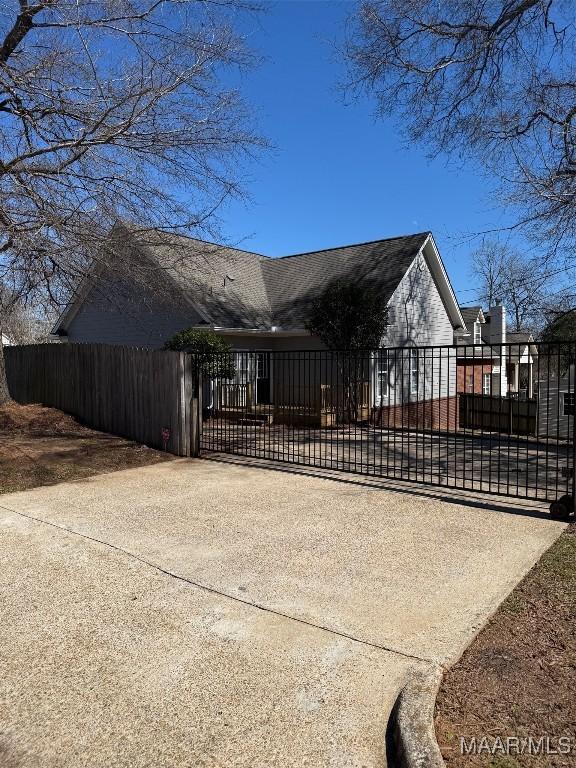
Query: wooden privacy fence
[[498, 414], [144, 395]]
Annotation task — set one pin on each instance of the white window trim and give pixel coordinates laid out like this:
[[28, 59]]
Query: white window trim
[[486, 379], [243, 362], [477, 331], [413, 369], [381, 397], [570, 394], [250, 359]]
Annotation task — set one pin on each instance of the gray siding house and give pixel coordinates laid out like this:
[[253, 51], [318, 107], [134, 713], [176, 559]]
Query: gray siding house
[[557, 405], [260, 304]]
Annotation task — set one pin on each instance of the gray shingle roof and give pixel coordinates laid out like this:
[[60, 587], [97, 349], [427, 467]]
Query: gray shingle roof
[[240, 289], [225, 284], [293, 281], [470, 314], [519, 337], [523, 339]]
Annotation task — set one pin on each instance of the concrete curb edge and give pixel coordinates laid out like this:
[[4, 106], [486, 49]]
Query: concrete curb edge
[[411, 727]]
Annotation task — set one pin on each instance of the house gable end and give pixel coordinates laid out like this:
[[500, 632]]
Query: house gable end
[[418, 315], [127, 317]]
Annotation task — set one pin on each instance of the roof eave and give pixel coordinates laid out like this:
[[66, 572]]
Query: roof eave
[[260, 331], [438, 270]]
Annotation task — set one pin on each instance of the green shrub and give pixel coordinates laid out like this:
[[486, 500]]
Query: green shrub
[[211, 353]]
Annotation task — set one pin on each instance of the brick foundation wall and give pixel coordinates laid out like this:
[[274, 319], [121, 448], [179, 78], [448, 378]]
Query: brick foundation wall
[[463, 372], [440, 413]]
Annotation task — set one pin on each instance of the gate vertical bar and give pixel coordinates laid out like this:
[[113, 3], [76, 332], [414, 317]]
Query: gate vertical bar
[[572, 369], [196, 413]]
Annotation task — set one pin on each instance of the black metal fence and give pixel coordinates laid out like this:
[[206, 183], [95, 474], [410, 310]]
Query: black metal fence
[[491, 418]]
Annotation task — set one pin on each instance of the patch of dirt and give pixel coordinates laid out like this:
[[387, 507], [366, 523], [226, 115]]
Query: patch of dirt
[[518, 678], [43, 446]]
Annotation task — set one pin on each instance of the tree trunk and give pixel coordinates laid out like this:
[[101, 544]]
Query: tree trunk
[[4, 393], [350, 387]]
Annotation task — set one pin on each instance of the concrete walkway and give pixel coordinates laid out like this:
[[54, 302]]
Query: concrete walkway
[[197, 613]]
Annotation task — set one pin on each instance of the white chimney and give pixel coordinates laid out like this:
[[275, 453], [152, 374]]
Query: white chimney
[[497, 321]]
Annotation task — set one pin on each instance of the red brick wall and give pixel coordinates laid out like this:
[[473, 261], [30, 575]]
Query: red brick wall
[[465, 371], [440, 413]]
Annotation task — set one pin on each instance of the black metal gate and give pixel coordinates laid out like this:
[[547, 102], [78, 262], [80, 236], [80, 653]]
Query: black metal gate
[[491, 418]]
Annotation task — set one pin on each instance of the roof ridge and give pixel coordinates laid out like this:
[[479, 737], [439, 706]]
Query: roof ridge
[[135, 230], [350, 245], [196, 240]]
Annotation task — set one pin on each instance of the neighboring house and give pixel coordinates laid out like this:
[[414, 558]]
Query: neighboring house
[[495, 373], [556, 405], [481, 358], [261, 305], [493, 360], [522, 364]]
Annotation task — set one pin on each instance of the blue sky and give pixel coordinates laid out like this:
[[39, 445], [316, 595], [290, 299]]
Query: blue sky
[[338, 175]]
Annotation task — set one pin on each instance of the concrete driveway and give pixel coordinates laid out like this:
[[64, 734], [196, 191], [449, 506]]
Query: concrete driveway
[[197, 613]]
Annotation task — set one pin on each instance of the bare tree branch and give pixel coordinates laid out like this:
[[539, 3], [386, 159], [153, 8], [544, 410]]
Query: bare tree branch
[[491, 80], [113, 111], [527, 286]]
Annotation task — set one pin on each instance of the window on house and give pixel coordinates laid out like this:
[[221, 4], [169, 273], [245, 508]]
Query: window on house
[[470, 381], [414, 371], [486, 384], [477, 333], [568, 404], [262, 359], [242, 367], [382, 376]]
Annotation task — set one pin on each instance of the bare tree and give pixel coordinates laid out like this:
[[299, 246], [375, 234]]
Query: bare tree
[[21, 323], [493, 80], [112, 110], [488, 266], [524, 285]]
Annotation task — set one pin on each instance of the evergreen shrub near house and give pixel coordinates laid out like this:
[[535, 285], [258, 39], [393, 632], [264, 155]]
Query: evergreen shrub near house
[[349, 318], [211, 353]]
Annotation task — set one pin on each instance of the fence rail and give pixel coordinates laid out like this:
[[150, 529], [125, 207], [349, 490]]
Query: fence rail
[[135, 393]]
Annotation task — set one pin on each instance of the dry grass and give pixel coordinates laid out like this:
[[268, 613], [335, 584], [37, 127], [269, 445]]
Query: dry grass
[[519, 676], [43, 446]]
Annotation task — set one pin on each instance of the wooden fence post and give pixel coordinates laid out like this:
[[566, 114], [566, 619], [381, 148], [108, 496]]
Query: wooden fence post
[[196, 415], [185, 403]]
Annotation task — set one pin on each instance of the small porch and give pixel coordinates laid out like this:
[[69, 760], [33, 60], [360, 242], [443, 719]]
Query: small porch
[[323, 405], [520, 372]]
